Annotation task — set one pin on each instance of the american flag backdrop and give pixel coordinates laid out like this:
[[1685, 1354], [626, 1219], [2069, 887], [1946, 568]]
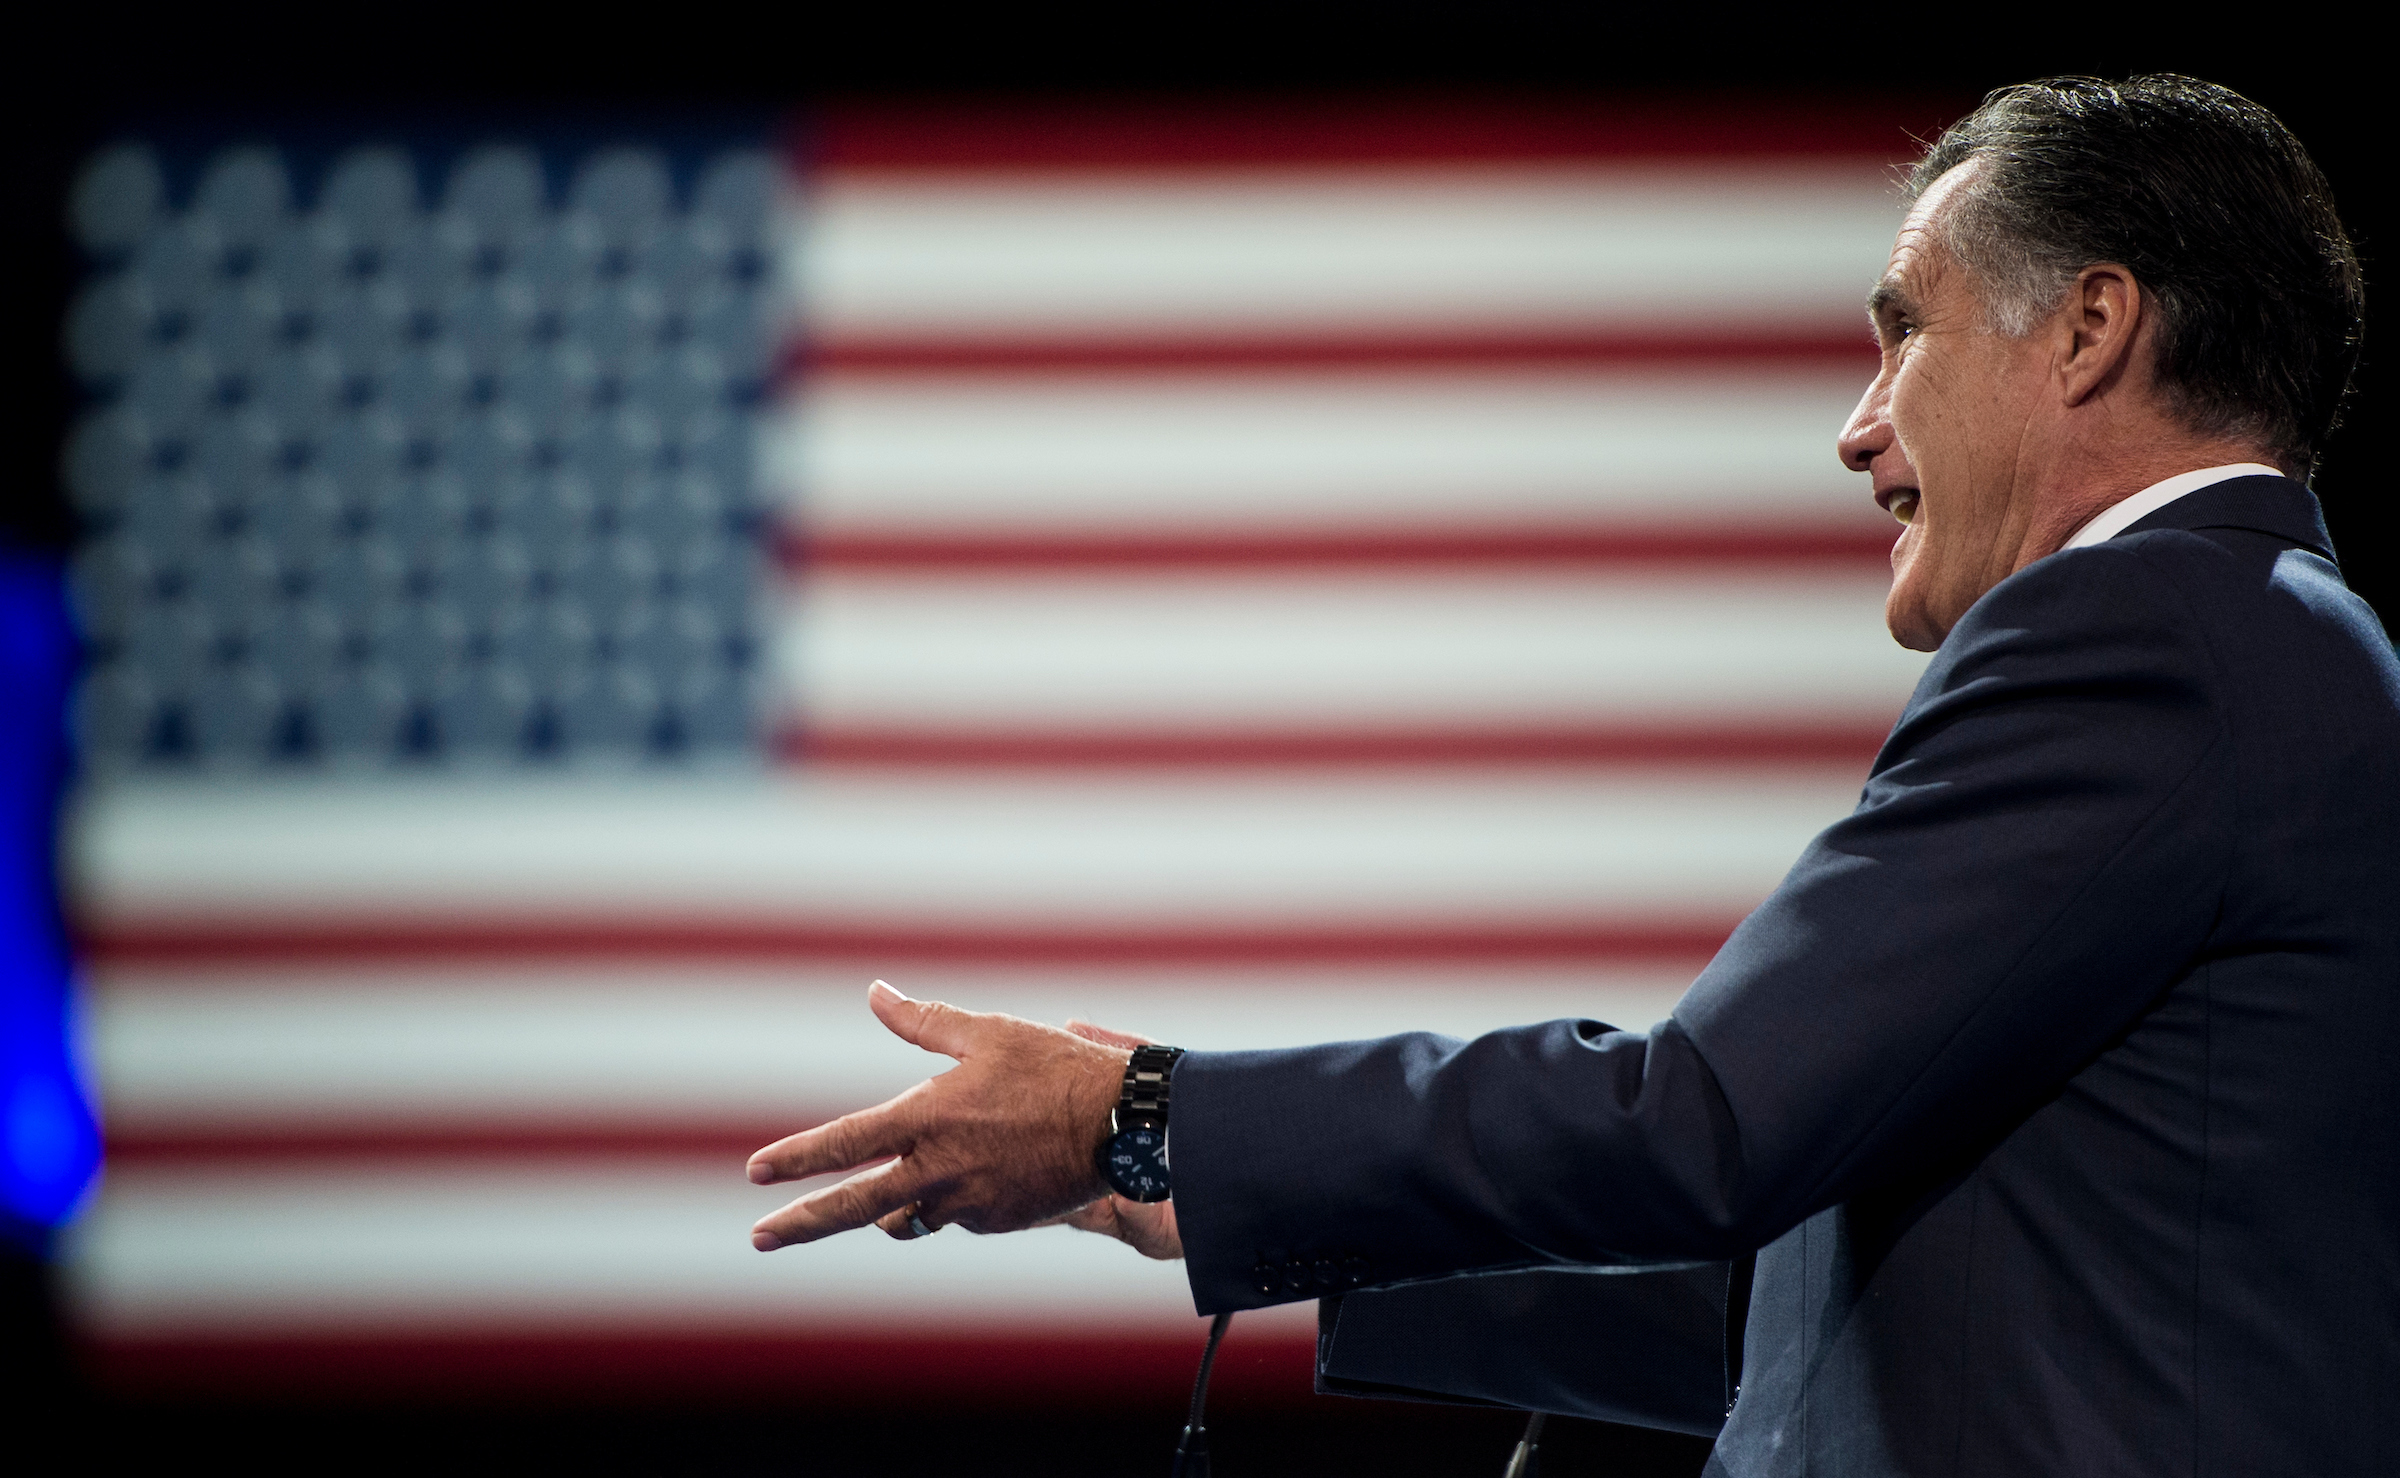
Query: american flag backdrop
[[565, 613]]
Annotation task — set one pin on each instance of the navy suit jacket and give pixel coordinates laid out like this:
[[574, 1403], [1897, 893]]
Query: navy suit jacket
[[2056, 1090]]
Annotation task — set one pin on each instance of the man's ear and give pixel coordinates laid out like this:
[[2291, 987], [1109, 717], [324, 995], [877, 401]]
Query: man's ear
[[2103, 316]]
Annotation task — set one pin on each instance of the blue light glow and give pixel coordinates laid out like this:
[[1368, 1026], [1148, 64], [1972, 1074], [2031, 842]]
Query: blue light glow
[[49, 1143]]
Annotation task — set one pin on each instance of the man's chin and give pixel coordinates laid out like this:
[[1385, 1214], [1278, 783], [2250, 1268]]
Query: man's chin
[[1910, 623]]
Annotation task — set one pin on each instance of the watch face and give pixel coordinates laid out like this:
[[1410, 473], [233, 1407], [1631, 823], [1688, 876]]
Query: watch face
[[1135, 1162]]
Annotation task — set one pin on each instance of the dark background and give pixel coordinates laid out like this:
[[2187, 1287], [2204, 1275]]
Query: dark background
[[83, 80]]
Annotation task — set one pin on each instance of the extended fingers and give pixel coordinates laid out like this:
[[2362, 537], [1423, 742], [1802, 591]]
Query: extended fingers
[[851, 1140], [867, 1196]]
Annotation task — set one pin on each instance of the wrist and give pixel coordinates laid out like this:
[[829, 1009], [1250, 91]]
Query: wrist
[[1091, 1105]]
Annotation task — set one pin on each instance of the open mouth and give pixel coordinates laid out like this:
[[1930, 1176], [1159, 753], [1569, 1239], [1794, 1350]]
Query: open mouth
[[1901, 503]]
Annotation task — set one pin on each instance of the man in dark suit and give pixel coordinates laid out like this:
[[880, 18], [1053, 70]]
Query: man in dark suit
[[2054, 1097]]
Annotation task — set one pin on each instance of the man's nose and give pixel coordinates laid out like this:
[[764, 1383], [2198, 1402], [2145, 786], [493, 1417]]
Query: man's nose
[[1868, 434]]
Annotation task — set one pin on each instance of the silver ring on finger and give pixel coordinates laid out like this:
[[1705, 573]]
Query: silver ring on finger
[[916, 1225]]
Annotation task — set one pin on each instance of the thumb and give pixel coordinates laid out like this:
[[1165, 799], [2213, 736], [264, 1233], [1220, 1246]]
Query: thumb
[[1105, 1037], [932, 1025]]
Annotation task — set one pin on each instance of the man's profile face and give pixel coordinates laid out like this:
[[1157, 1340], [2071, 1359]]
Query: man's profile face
[[1943, 429]]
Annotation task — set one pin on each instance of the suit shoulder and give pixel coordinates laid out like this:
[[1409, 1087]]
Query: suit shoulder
[[2262, 594], [2083, 636], [2081, 601], [2237, 613]]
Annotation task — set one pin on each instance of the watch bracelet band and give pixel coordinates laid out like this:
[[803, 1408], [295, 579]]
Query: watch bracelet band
[[1148, 1075]]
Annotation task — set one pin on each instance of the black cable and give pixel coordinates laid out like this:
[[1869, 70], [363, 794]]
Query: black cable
[[1526, 1461], [1191, 1454]]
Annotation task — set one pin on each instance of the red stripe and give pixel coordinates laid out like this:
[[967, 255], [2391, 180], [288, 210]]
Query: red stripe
[[1852, 742], [1866, 545], [1257, 1367], [1123, 134], [1842, 348], [218, 940]]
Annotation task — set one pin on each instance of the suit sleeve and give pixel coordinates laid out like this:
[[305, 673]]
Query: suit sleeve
[[2037, 854]]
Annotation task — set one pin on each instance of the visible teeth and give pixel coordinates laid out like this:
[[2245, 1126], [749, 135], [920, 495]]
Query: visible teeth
[[1904, 507]]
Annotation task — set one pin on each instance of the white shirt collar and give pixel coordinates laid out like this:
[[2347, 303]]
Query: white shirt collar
[[2118, 516]]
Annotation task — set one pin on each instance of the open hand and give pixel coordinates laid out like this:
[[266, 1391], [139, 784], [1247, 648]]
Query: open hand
[[1002, 1141]]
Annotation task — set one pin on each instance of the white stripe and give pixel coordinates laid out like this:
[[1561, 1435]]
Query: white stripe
[[1277, 250], [998, 849], [602, 1048], [595, 1247], [1320, 651], [962, 453]]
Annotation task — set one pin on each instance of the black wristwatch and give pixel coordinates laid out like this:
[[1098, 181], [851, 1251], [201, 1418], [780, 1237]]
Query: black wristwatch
[[1133, 1159]]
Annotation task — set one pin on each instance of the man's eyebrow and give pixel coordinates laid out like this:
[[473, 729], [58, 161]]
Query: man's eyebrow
[[1889, 296]]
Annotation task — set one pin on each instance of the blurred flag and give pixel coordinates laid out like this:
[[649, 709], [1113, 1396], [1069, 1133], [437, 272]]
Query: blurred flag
[[565, 616]]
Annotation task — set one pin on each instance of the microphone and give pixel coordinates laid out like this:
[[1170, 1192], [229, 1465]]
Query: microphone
[[1526, 1461], [1191, 1454]]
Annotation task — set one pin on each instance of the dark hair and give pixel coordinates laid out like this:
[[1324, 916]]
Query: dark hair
[[2218, 211]]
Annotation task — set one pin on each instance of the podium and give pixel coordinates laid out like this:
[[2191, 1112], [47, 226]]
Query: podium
[[1654, 1347]]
